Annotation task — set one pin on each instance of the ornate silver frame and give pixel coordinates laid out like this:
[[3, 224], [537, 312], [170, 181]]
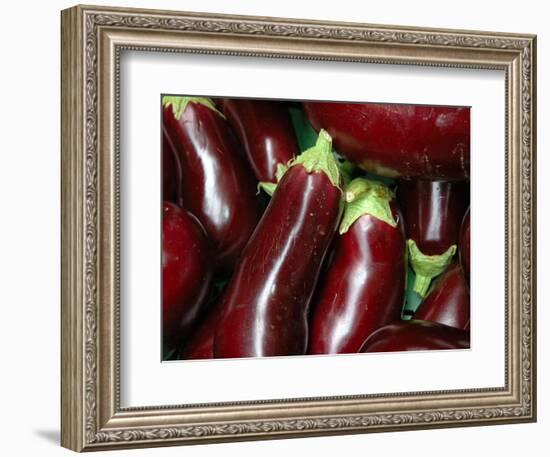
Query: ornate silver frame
[[92, 40]]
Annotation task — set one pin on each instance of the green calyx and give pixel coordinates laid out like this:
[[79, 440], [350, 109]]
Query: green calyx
[[180, 103], [319, 158], [364, 196], [267, 187], [427, 267]]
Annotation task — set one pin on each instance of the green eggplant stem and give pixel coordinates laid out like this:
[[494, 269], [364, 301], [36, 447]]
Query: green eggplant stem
[[427, 267], [180, 103], [317, 159]]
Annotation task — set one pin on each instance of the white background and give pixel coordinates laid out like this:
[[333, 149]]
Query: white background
[[29, 245], [145, 75]]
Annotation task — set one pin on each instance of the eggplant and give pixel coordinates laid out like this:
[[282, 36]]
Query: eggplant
[[265, 130], [216, 184], [407, 141], [186, 271], [448, 301], [200, 344], [170, 172], [267, 299], [364, 285], [416, 335], [433, 212], [464, 245]]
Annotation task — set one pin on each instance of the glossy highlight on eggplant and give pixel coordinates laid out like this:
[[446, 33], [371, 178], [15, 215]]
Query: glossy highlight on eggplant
[[448, 301], [267, 299], [416, 335], [186, 271], [216, 183], [394, 140], [265, 131], [364, 285]]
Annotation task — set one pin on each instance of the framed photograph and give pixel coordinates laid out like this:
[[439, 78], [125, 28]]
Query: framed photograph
[[282, 228]]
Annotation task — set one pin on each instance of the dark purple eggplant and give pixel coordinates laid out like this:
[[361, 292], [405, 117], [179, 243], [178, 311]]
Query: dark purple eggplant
[[186, 271], [448, 301], [265, 130], [216, 184], [392, 140], [464, 246], [200, 344], [170, 172], [416, 335], [267, 299], [433, 212], [364, 285]]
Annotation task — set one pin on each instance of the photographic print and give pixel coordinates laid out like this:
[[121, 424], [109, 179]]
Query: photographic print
[[309, 228]]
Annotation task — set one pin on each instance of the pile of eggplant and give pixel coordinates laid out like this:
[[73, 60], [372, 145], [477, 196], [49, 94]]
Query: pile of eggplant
[[313, 228]]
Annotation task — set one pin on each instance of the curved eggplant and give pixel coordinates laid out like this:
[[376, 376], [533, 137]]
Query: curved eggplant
[[448, 301], [170, 172], [267, 299], [265, 130], [416, 335], [216, 185], [433, 212], [186, 271], [407, 141], [464, 245], [364, 286]]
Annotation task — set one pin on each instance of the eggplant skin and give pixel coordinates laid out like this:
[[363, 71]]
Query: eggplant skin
[[267, 299], [433, 212], [170, 172], [200, 344], [363, 288], [393, 140], [464, 246], [216, 183], [448, 301], [265, 130], [186, 271], [416, 335]]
